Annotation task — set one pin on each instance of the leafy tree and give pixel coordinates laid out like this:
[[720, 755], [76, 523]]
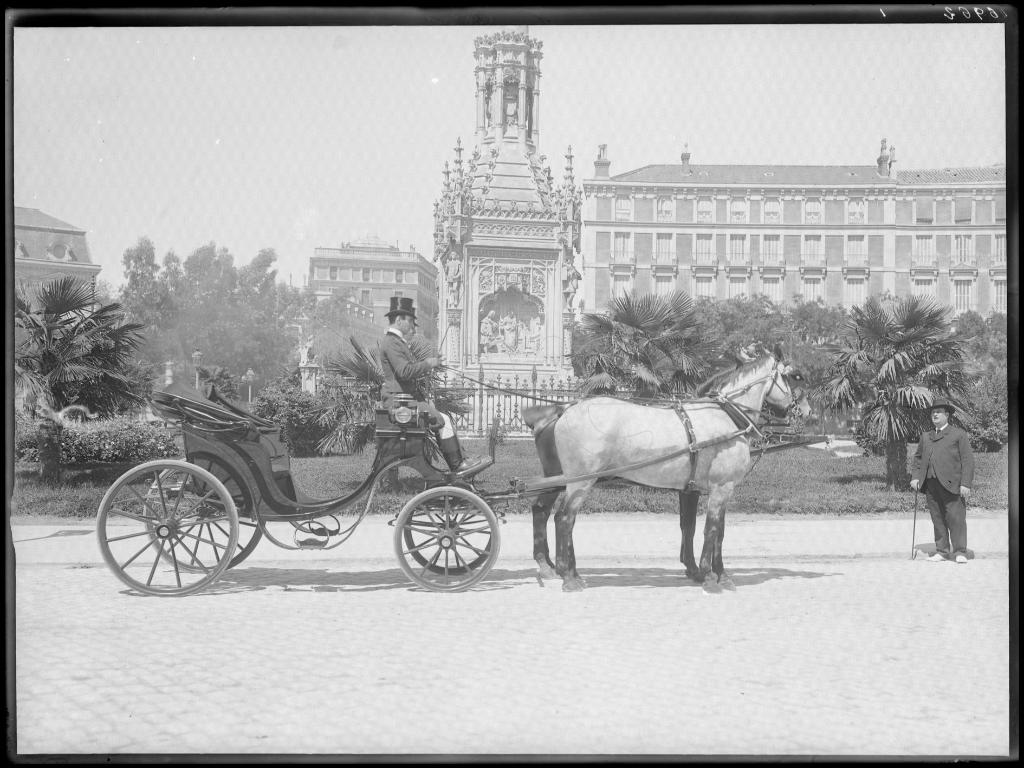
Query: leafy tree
[[893, 355], [645, 345]]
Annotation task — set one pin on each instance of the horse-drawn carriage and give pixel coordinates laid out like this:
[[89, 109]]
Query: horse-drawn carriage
[[172, 527]]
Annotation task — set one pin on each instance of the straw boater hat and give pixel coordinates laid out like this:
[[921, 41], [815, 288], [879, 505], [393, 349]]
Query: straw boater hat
[[943, 403], [401, 306]]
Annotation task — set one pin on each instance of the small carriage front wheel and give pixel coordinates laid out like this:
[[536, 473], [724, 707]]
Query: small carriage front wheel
[[447, 539], [167, 528]]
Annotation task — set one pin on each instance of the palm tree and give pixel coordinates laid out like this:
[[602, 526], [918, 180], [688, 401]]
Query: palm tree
[[893, 355], [646, 345], [73, 353]]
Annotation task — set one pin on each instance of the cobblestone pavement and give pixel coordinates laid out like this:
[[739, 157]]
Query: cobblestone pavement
[[834, 643]]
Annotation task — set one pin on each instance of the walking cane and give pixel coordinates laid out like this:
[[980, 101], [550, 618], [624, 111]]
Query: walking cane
[[913, 535]]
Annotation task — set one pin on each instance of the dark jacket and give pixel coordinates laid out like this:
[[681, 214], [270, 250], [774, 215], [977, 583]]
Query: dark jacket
[[949, 454], [401, 369]]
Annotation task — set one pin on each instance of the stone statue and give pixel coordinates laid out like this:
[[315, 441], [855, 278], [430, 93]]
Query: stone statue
[[511, 112], [453, 273], [509, 333], [305, 352], [489, 333]]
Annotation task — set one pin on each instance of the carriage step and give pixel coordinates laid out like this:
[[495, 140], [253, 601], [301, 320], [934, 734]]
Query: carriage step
[[311, 544]]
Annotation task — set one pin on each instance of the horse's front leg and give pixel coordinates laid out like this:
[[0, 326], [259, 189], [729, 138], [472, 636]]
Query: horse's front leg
[[565, 553], [714, 533], [541, 511], [688, 501]]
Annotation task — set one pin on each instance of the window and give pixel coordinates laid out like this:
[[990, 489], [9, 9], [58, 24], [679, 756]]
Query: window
[[812, 289], [924, 251], [620, 285], [705, 251], [855, 253], [855, 291], [665, 209], [962, 296], [334, 273], [738, 211], [772, 288], [737, 287], [963, 249], [321, 273], [999, 296], [999, 252], [621, 250], [771, 251], [664, 285], [923, 286], [704, 286], [963, 208], [365, 298], [855, 212], [663, 249], [704, 210], [812, 249], [771, 211], [925, 210], [623, 209], [399, 276], [366, 275], [812, 212], [737, 249]]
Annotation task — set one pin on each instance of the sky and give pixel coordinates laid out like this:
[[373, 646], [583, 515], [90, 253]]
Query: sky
[[294, 137]]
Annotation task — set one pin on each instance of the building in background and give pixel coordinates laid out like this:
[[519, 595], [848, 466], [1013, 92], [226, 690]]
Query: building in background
[[370, 272], [46, 248], [835, 233]]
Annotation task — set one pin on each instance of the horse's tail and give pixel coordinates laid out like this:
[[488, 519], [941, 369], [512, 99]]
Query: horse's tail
[[540, 417]]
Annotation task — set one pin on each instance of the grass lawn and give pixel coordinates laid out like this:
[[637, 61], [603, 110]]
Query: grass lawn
[[794, 481]]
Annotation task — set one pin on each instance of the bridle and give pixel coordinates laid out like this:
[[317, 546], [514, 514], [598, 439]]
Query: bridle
[[773, 376]]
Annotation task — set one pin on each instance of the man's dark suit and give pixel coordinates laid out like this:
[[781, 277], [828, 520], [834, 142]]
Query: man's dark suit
[[943, 463]]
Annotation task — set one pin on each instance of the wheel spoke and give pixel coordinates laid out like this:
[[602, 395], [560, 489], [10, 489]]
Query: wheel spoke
[[424, 545], [193, 555], [133, 516], [132, 559], [145, 501], [174, 560], [163, 498], [199, 539], [433, 561], [467, 544], [156, 561]]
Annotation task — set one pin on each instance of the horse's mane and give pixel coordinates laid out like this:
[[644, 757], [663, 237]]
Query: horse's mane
[[716, 381]]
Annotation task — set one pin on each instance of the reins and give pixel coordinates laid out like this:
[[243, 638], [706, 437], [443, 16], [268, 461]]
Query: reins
[[517, 393]]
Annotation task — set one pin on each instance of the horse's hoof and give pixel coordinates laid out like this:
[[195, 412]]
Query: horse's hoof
[[725, 582], [711, 587], [546, 571], [573, 585]]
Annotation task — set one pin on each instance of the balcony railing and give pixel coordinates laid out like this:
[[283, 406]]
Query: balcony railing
[[855, 260], [923, 259], [622, 257], [705, 259], [812, 259]]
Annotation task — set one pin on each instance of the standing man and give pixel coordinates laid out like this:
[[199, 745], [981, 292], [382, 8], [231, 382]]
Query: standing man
[[944, 470], [401, 369]]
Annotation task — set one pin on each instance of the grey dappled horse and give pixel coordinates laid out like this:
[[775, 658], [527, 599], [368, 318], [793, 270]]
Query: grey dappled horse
[[652, 445]]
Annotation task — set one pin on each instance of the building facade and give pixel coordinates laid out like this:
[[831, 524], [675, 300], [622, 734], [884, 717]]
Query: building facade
[[370, 272], [834, 233], [46, 248], [506, 235]]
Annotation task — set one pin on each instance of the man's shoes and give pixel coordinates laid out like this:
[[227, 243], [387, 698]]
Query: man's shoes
[[938, 557], [961, 559], [470, 466]]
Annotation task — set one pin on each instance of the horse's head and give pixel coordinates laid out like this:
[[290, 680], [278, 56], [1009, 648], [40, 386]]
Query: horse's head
[[786, 392]]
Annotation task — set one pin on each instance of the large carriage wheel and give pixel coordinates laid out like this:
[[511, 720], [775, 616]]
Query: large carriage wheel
[[167, 527], [447, 539], [249, 531]]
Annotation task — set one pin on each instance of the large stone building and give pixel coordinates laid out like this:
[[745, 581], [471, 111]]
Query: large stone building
[[370, 272], [835, 233], [506, 237], [46, 248]]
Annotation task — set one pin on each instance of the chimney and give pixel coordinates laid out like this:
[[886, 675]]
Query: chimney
[[685, 157], [883, 160], [602, 163], [892, 162]]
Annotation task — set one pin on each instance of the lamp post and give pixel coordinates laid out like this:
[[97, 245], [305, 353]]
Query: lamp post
[[248, 379], [197, 358]]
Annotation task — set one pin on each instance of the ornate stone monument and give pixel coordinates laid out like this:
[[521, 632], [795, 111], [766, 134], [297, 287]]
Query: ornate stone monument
[[506, 237]]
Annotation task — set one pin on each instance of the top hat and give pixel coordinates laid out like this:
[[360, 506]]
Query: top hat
[[941, 402], [401, 306]]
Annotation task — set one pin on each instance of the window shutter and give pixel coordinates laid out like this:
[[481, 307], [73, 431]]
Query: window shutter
[[604, 209]]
